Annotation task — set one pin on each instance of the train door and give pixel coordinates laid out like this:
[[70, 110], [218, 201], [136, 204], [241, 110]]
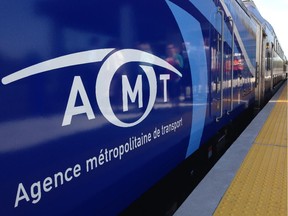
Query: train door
[[272, 66], [264, 70], [221, 66], [260, 75]]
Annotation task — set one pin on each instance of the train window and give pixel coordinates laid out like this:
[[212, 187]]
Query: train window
[[268, 57]]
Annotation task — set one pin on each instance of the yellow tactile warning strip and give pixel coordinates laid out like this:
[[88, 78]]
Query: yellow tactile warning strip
[[260, 185]]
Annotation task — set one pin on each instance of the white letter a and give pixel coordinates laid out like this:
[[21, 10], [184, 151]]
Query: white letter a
[[20, 197], [71, 109]]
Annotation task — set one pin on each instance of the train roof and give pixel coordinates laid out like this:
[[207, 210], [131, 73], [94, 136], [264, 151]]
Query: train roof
[[252, 8]]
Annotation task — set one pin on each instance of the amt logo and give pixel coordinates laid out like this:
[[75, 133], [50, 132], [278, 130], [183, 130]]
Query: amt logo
[[103, 82]]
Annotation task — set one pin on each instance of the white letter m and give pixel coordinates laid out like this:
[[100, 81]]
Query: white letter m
[[127, 90]]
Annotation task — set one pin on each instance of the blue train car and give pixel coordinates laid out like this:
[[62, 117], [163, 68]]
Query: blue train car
[[269, 56], [102, 99]]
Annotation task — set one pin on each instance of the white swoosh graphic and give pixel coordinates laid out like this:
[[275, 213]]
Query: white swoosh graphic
[[60, 62]]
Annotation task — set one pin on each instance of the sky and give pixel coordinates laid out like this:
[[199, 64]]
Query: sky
[[276, 13]]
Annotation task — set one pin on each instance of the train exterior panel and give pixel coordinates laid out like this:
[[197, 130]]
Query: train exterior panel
[[102, 99]]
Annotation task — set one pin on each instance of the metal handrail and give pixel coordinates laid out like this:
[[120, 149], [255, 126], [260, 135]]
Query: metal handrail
[[232, 64], [222, 64]]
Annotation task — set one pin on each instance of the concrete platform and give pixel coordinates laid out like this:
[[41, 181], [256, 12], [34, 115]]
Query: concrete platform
[[251, 177]]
